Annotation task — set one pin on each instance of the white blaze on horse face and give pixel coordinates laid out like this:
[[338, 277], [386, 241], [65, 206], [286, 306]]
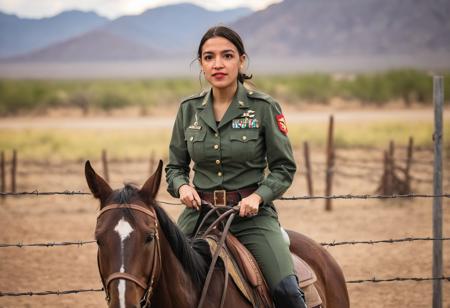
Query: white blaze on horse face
[[124, 229]]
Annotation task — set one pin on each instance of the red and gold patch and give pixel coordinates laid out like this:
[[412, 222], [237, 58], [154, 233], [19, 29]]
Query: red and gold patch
[[282, 124]]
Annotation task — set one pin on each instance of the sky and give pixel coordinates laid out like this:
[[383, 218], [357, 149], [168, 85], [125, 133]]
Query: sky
[[114, 8]]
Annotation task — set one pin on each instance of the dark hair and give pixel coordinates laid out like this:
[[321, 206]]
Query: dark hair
[[232, 36]]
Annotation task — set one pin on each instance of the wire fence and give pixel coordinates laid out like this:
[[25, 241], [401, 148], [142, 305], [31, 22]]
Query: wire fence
[[359, 281], [334, 243], [375, 280], [346, 196], [330, 244]]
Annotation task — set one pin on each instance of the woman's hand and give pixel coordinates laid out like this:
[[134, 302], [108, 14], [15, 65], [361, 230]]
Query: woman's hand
[[250, 205], [189, 197]]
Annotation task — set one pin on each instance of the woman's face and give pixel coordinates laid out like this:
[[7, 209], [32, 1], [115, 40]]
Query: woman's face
[[220, 62]]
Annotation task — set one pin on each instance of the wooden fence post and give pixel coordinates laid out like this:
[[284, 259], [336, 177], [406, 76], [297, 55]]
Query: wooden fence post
[[14, 172], [308, 171], [2, 171], [438, 97], [152, 162], [105, 165], [330, 164], [383, 189], [409, 156], [390, 177]]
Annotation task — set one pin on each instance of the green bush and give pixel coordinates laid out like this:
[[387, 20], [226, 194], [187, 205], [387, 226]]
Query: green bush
[[25, 96]]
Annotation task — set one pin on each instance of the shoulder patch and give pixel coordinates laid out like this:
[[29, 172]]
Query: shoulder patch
[[281, 121], [195, 96]]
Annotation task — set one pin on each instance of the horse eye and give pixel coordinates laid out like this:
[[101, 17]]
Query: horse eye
[[149, 237]]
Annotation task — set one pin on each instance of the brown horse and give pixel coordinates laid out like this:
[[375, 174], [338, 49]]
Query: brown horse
[[144, 258]]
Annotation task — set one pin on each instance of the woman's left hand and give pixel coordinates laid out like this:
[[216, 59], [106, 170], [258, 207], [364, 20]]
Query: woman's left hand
[[250, 205]]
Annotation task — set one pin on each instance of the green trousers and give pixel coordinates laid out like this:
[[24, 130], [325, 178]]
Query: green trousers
[[261, 235]]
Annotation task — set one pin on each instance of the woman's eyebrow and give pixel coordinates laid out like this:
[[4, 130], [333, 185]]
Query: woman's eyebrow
[[222, 51]]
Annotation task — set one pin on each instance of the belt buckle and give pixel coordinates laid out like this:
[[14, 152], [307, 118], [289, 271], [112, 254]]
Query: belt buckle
[[220, 198]]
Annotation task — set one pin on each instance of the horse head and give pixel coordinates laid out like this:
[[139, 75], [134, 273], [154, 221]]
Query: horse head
[[127, 234]]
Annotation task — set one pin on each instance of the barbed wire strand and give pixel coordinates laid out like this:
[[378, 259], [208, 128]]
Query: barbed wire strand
[[375, 280], [388, 241], [44, 193], [334, 243], [66, 292], [50, 244], [347, 196], [34, 293]]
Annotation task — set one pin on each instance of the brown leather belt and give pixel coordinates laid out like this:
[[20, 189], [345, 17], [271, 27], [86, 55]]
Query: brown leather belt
[[225, 198]]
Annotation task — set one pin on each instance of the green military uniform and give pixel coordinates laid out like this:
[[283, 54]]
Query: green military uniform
[[234, 154]]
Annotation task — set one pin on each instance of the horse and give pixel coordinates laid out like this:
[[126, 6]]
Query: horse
[[144, 259]]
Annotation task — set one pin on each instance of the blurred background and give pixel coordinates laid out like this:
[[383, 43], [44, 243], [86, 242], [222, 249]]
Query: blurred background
[[102, 80]]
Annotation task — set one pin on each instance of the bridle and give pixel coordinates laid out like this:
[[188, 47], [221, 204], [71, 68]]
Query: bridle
[[148, 285]]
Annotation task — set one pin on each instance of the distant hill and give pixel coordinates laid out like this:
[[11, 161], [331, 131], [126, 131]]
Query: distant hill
[[290, 36], [348, 27], [22, 35], [168, 30], [98, 45], [173, 28]]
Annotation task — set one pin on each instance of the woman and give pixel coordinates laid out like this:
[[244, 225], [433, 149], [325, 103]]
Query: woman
[[231, 134]]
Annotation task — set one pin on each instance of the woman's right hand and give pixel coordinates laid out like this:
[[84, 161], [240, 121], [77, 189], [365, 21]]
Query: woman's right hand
[[189, 197]]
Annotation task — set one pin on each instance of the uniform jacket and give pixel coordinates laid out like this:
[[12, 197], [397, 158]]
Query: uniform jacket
[[234, 153]]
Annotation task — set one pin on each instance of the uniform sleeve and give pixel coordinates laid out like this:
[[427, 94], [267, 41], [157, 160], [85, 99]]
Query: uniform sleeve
[[177, 170], [280, 158]]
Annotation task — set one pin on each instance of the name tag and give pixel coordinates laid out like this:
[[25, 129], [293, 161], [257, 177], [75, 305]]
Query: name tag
[[245, 123]]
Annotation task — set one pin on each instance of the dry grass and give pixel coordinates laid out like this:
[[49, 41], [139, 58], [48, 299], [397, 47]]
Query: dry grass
[[60, 218]]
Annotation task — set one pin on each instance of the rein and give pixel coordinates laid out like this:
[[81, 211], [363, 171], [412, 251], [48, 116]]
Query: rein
[[148, 286], [229, 215]]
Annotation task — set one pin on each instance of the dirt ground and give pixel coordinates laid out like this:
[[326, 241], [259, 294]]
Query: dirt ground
[[69, 218]]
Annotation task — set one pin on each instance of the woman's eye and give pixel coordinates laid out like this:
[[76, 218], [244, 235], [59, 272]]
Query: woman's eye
[[207, 57], [229, 56]]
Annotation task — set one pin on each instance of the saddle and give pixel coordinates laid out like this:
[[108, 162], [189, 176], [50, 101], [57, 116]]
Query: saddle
[[246, 274]]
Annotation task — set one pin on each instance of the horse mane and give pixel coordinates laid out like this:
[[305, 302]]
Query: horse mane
[[194, 255]]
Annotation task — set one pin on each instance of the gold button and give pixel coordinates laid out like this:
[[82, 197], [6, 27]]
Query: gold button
[[216, 134], [192, 138], [251, 92], [244, 137], [216, 146], [219, 173], [217, 162], [241, 103]]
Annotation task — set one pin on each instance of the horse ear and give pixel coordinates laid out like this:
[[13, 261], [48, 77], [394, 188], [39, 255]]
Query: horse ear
[[98, 186], [150, 188]]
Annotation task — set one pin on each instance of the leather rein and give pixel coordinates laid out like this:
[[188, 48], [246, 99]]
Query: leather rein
[[228, 215], [148, 285]]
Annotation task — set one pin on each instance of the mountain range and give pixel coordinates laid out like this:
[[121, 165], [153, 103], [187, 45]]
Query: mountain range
[[344, 30], [349, 27], [162, 31], [23, 35]]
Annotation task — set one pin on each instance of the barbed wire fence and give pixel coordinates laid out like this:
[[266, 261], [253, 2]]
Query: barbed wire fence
[[83, 243], [329, 170]]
